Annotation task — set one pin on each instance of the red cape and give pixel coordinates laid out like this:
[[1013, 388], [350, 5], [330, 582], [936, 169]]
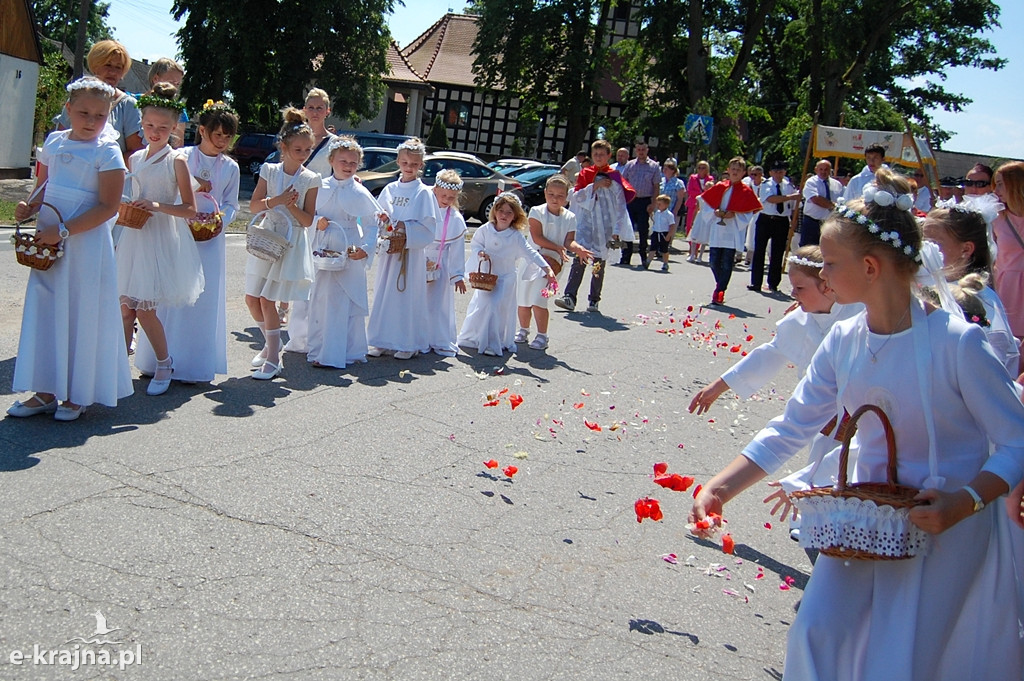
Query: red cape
[[587, 175], [742, 200]]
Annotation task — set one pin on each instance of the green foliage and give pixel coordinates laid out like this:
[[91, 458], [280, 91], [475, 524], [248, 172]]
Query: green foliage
[[268, 53], [438, 135], [58, 20], [50, 92]]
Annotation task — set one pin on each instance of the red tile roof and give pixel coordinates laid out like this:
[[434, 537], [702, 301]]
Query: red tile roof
[[400, 69], [444, 52]]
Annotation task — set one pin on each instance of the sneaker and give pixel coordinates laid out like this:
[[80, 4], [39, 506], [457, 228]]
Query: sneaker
[[592, 308], [540, 342], [751, 287], [522, 335], [566, 303], [664, 267]]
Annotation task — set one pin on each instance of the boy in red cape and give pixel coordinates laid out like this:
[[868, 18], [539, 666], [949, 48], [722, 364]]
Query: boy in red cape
[[602, 222], [725, 212]]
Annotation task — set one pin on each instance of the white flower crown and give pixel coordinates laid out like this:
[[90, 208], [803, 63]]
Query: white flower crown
[[509, 196], [90, 83], [797, 260], [343, 143], [892, 238], [413, 147]]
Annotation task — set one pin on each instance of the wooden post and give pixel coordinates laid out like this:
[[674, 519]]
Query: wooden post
[[800, 185], [920, 161]]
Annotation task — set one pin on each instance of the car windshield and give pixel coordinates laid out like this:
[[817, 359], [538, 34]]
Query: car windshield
[[535, 174], [389, 167]]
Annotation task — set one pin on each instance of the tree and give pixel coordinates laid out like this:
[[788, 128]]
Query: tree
[[58, 20], [548, 54], [338, 45], [50, 92], [438, 136]]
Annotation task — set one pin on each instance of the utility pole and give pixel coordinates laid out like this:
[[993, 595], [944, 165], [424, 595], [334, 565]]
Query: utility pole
[[83, 24]]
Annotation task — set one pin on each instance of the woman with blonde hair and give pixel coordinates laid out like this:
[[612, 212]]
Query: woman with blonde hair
[[1008, 231], [108, 60]]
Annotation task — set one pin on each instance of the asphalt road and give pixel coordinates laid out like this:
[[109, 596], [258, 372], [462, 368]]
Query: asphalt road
[[341, 524]]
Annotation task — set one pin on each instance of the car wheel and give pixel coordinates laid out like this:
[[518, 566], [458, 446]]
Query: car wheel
[[254, 167], [485, 208]]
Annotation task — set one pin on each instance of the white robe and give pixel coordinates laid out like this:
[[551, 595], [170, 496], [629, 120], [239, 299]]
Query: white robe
[[72, 341], [197, 335], [707, 230], [399, 314], [600, 215], [490, 323], [338, 302], [451, 259], [939, 617]]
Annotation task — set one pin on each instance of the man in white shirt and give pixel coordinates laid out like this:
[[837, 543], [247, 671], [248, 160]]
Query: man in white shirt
[[873, 156], [923, 196], [820, 194], [779, 197], [621, 159], [573, 166], [755, 180]]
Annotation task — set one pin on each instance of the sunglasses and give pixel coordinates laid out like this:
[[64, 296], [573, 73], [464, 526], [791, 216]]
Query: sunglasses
[[977, 183]]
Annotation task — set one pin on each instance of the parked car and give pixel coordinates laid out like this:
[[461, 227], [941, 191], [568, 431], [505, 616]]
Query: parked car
[[481, 184], [504, 165], [275, 157], [375, 139], [252, 149], [533, 179], [375, 157]]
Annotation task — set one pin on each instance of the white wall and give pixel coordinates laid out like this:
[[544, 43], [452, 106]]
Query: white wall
[[18, 80]]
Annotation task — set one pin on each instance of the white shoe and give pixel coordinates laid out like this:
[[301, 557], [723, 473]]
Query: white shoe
[[540, 342], [159, 387], [64, 413], [374, 351], [522, 335], [405, 354], [19, 410], [445, 352], [490, 353], [264, 374], [259, 359]]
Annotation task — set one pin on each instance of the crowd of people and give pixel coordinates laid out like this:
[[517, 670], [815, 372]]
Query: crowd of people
[[915, 308]]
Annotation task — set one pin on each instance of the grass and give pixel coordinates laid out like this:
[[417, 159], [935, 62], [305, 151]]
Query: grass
[[7, 212]]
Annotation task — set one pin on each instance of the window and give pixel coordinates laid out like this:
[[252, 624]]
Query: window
[[457, 115]]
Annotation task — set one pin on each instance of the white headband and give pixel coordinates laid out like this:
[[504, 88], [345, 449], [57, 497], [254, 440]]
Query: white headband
[[90, 83], [413, 147], [455, 186], [796, 260], [509, 196], [343, 143]]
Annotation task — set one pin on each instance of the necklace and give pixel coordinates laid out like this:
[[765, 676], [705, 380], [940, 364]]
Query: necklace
[[874, 354]]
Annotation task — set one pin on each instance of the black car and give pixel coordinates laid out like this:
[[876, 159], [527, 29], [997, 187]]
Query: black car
[[533, 179]]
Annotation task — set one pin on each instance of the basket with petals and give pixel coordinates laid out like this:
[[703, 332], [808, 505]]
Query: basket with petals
[[485, 281], [394, 238], [132, 216], [326, 259], [31, 253], [209, 220], [863, 521], [263, 242]]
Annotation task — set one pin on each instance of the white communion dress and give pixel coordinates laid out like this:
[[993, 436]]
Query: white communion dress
[[449, 253]]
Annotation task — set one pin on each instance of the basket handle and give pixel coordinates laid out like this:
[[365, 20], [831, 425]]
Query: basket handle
[[259, 215], [216, 206], [890, 444], [60, 216], [344, 235], [481, 264]]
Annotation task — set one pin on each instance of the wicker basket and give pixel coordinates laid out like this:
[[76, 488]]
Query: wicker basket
[[865, 521], [266, 244], [554, 263], [30, 253], [485, 281], [209, 221], [132, 216], [396, 242], [328, 260]]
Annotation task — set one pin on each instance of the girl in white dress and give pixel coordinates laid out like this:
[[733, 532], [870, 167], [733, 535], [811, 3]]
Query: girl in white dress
[[961, 233], [552, 234], [947, 396], [287, 190], [490, 320], [446, 259], [346, 225], [71, 348], [398, 320], [159, 263], [197, 335], [317, 108]]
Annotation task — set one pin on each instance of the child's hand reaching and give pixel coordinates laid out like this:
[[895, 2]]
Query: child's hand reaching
[[585, 255], [782, 501], [202, 185], [703, 400], [460, 286]]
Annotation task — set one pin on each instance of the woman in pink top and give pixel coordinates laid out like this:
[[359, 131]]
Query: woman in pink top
[[1008, 230], [698, 182]]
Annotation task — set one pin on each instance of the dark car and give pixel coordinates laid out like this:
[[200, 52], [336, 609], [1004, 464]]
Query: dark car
[[533, 179], [252, 149], [481, 184], [375, 157]]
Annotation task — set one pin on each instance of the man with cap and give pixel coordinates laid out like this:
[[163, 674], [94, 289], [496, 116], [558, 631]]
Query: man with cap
[[779, 197]]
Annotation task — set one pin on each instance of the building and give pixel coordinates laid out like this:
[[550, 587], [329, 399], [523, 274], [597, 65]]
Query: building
[[20, 60]]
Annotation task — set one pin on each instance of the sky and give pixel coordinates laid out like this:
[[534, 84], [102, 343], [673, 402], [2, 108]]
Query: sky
[[991, 126]]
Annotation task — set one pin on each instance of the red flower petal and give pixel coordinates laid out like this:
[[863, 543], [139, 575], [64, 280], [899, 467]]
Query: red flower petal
[[515, 400], [596, 427], [660, 468], [696, 490], [491, 463], [767, 526], [502, 391], [642, 509], [674, 482], [736, 348], [689, 308], [492, 403], [704, 524], [750, 338], [510, 470], [728, 544], [578, 405], [656, 513]]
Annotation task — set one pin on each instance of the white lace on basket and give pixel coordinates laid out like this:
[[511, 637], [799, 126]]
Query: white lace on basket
[[860, 525]]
